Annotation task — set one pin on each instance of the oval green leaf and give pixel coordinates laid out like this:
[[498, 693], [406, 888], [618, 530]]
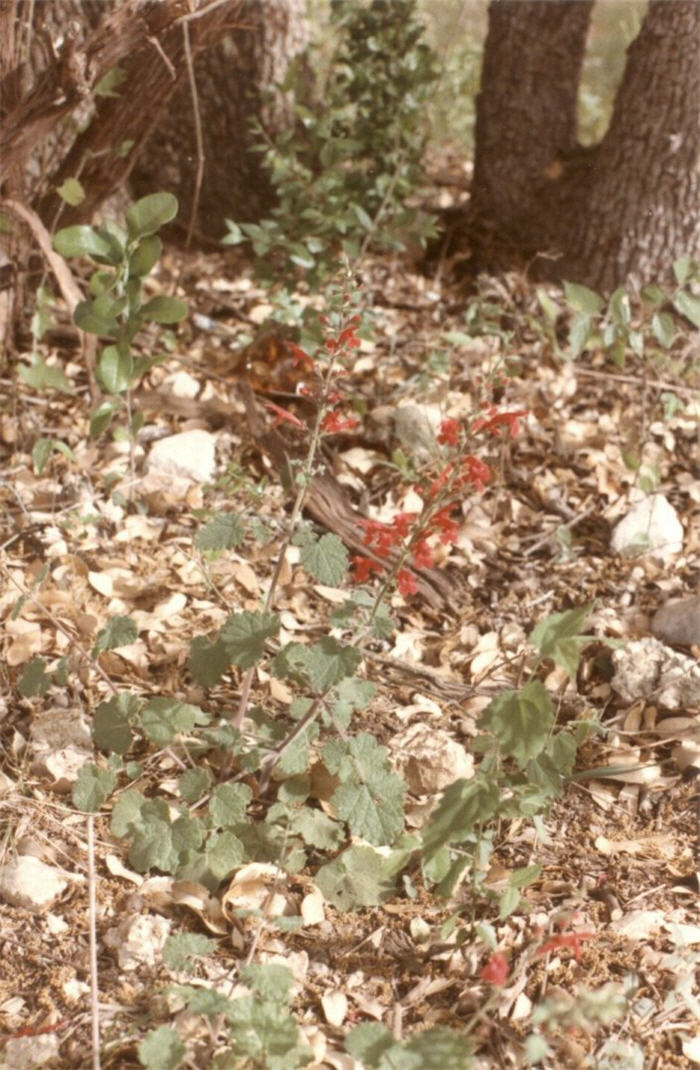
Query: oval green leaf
[[150, 213], [80, 241], [162, 309]]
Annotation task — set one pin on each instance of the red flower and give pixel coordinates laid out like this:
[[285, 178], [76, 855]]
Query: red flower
[[450, 431], [476, 472], [572, 940], [408, 584], [381, 537], [495, 419], [496, 969], [364, 567], [299, 356], [423, 555], [446, 525], [284, 414], [333, 422], [402, 523]]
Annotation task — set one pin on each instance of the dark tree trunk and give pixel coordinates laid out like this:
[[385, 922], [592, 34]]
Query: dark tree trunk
[[525, 115], [619, 211], [233, 83]]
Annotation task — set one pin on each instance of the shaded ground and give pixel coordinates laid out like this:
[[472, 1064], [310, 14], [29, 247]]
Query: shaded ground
[[619, 854]]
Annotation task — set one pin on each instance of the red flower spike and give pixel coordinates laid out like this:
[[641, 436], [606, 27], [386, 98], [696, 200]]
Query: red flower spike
[[408, 584], [450, 432], [403, 522], [476, 472], [284, 414], [496, 969], [364, 567], [572, 940]]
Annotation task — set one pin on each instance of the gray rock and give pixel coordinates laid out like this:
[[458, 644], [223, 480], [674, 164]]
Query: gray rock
[[651, 526], [678, 621], [190, 454], [647, 669]]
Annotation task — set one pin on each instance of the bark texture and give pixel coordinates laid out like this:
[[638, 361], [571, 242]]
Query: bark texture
[[622, 210], [233, 82]]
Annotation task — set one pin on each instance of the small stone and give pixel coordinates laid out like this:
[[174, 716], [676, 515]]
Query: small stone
[[28, 882], [189, 454], [678, 621], [651, 526]]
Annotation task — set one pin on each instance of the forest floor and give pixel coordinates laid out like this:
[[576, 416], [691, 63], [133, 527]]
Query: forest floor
[[618, 852]]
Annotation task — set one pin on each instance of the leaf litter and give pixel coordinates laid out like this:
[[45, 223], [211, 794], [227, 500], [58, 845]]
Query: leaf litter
[[618, 854]]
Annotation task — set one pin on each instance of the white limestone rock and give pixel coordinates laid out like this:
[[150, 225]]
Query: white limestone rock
[[189, 455], [651, 526]]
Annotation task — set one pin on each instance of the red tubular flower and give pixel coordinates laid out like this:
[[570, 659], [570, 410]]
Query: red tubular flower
[[476, 472], [450, 432], [495, 420], [381, 537], [333, 422], [572, 940], [496, 969], [408, 584], [402, 523], [284, 414], [423, 555], [446, 525], [364, 567]]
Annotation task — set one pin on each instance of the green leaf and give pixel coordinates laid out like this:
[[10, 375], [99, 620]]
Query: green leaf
[[112, 722], [619, 308], [228, 804], [98, 316], [164, 718], [145, 256], [119, 631], [34, 679], [81, 240], [370, 796], [272, 981], [663, 328], [224, 854], [351, 695], [463, 806], [92, 787], [359, 877], [194, 783], [102, 417], [41, 451], [208, 661], [327, 560], [329, 662], [244, 635], [579, 333], [150, 213], [222, 532], [181, 951], [41, 376], [521, 720], [318, 830], [162, 1049], [559, 637], [71, 192], [689, 306], [115, 370], [164, 309], [430, 1049], [581, 299]]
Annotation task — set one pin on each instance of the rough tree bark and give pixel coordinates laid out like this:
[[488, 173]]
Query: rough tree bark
[[621, 210], [233, 80]]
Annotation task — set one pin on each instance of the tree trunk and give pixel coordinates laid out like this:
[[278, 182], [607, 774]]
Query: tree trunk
[[640, 194], [620, 211], [233, 86], [525, 115]]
